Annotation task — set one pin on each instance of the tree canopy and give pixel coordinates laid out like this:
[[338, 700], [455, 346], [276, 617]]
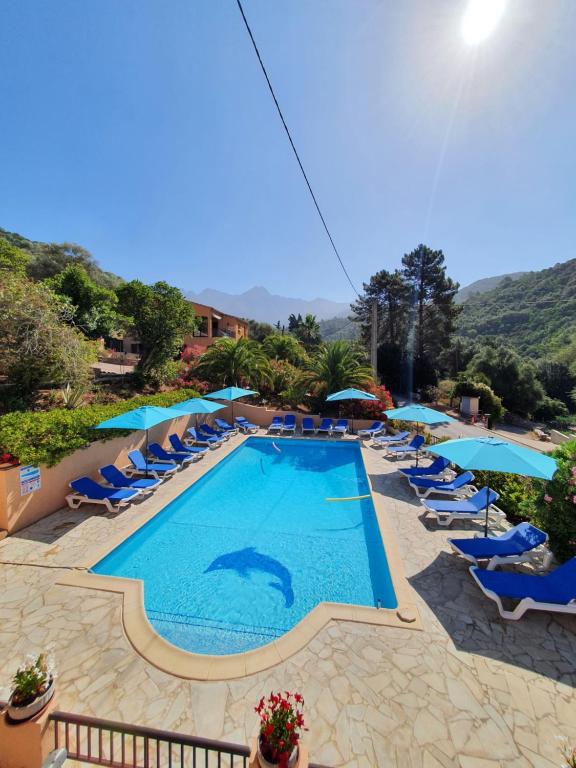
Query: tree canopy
[[160, 317]]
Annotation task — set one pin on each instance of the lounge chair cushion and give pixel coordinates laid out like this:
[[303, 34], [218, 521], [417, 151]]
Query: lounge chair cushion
[[556, 587]]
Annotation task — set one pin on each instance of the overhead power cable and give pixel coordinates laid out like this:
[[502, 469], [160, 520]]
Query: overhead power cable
[[297, 156]]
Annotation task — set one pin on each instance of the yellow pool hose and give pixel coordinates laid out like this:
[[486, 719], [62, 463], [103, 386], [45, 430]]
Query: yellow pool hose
[[350, 498]]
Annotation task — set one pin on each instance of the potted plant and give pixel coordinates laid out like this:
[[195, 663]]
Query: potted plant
[[32, 687], [281, 721]]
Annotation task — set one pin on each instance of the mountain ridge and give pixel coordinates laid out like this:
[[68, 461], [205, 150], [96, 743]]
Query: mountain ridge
[[259, 304]]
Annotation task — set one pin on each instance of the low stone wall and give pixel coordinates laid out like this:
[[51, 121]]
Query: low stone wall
[[17, 511]]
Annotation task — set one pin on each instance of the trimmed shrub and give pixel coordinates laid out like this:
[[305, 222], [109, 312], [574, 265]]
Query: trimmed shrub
[[46, 437]]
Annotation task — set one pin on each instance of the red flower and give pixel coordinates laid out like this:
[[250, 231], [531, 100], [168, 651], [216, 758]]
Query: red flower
[[289, 726], [269, 730], [298, 698]]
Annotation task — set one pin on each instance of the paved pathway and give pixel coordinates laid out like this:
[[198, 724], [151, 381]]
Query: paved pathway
[[470, 691]]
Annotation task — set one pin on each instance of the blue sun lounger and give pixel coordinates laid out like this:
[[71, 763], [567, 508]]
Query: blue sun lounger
[[474, 508], [406, 450], [211, 442], [245, 425], [341, 427], [225, 427], [87, 491], [179, 447], [518, 545], [308, 425], [118, 479], [375, 429], [325, 426], [555, 591], [163, 455], [289, 423], [459, 486], [139, 466], [436, 469], [276, 424], [208, 431], [384, 440]]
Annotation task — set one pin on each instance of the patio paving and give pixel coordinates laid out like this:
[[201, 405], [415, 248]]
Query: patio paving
[[469, 691]]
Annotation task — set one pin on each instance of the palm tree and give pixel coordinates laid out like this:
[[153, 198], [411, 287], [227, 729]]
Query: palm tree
[[308, 331], [279, 347], [337, 366], [234, 363]]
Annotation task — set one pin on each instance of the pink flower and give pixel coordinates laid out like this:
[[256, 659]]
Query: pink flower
[[573, 470], [547, 499], [573, 499]]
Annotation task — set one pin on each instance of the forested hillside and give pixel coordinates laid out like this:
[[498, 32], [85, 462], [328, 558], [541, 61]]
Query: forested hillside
[[49, 259], [483, 285], [534, 314]]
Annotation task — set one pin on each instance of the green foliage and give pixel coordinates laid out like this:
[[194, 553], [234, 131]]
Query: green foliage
[[48, 259], [337, 366], [489, 402], [550, 410], [416, 317], [513, 379], [161, 317], [234, 363], [258, 331], [512, 489], [37, 346], [46, 437], [284, 347], [305, 330], [12, 259], [552, 505], [558, 380], [93, 308], [535, 314], [335, 328], [30, 681]]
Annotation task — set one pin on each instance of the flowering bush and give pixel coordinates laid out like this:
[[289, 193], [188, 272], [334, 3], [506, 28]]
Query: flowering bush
[[31, 679], [369, 409], [280, 723]]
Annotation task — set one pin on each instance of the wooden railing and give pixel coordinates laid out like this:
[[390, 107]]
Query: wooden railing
[[118, 745]]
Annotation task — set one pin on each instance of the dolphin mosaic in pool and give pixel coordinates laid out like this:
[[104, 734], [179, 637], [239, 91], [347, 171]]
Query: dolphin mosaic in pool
[[246, 560], [243, 554]]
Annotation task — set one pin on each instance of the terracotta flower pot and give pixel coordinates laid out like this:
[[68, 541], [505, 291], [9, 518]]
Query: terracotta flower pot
[[29, 710]]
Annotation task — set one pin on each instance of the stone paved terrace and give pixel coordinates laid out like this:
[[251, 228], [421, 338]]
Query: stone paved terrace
[[469, 691]]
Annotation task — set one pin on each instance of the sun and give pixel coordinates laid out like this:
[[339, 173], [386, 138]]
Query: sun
[[480, 19]]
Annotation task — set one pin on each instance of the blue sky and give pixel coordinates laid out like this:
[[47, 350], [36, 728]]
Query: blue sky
[[143, 130]]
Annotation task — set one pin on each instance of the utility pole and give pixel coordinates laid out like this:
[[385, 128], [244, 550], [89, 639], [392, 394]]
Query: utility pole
[[374, 340]]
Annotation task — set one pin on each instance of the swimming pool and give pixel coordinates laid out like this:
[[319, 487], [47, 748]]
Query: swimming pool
[[248, 550]]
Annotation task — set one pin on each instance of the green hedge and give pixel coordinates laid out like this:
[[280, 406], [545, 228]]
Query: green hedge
[[46, 437], [549, 505]]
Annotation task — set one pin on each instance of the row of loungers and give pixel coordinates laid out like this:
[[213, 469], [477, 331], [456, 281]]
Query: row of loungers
[[554, 591], [143, 475], [326, 426]]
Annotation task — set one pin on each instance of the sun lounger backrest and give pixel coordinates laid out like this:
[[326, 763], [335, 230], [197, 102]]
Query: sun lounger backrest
[[137, 458], [479, 498], [529, 535], [417, 441], [463, 479], [87, 487], [112, 475], [289, 420], [157, 450], [177, 444]]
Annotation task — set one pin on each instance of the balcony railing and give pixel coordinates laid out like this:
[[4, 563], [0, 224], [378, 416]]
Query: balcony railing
[[118, 745]]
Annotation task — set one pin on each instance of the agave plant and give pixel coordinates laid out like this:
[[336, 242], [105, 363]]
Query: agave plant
[[72, 396], [234, 363]]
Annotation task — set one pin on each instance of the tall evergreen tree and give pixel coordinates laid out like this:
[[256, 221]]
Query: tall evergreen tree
[[433, 311]]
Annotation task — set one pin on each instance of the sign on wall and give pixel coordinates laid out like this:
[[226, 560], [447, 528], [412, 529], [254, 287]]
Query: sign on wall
[[29, 480]]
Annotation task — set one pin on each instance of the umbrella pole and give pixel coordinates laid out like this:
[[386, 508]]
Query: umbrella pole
[[487, 506], [417, 449], [146, 455]]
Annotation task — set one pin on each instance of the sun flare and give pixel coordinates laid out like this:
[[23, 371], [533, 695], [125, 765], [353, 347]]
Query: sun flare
[[480, 19]]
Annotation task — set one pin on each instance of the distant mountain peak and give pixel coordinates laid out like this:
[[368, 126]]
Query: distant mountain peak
[[258, 303]]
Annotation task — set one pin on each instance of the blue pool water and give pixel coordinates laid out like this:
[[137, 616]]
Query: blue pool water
[[248, 550]]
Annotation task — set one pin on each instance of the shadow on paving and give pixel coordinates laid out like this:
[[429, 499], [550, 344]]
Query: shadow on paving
[[541, 642]]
